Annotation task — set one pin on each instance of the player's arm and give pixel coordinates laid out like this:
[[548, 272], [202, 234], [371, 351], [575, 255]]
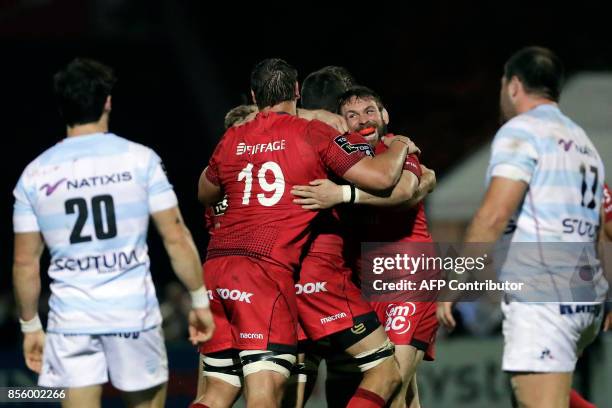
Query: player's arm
[[384, 171], [26, 281], [427, 183], [26, 273], [501, 201], [181, 249], [407, 193], [186, 264], [324, 193], [208, 193], [336, 121]]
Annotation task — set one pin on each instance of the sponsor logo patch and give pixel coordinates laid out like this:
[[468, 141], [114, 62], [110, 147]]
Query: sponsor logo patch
[[350, 148]]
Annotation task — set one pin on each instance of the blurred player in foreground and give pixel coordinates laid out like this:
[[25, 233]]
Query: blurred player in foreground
[[543, 170], [252, 257], [89, 198]]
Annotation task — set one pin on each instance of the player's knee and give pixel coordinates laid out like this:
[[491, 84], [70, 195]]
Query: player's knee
[[254, 361], [224, 366]]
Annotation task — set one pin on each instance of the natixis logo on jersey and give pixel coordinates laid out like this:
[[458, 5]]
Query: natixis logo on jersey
[[243, 148], [51, 187], [566, 145], [75, 184]]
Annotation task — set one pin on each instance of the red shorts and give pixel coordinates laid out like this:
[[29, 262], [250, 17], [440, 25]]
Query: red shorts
[[410, 323], [253, 304], [327, 299]]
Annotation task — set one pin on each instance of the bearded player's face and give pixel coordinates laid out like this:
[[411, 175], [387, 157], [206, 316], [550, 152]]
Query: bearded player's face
[[363, 113]]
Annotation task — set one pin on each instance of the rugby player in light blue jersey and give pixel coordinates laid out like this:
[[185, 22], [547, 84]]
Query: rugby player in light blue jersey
[[89, 199], [545, 182]]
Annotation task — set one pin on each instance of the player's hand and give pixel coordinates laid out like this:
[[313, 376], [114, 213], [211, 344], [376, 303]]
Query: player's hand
[[444, 313], [333, 120], [33, 346], [412, 148], [319, 195], [201, 325], [608, 322]]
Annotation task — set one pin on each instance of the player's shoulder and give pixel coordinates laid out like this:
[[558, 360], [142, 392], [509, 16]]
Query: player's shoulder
[[523, 126], [140, 153]]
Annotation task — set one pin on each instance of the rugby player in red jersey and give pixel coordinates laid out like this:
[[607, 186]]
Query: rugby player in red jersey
[[213, 217], [606, 236], [332, 313], [410, 325], [253, 256]]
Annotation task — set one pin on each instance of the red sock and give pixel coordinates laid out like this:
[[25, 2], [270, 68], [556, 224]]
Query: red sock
[[366, 399], [576, 401], [198, 405]]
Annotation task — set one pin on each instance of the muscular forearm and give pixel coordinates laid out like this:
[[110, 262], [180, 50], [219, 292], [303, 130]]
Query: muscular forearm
[[400, 196], [485, 228], [185, 260], [26, 280], [426, 186]]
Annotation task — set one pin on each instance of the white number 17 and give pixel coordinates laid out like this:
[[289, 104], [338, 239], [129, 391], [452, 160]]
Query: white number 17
[[277, 186]]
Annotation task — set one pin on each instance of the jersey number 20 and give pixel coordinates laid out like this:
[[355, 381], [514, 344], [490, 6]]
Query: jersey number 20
[[79, 205]]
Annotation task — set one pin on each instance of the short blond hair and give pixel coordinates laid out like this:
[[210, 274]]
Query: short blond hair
[[238, 115]]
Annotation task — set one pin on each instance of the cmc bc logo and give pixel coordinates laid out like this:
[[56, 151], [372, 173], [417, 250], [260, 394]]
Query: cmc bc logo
[[234, 295], [311, 287], [397, 317]]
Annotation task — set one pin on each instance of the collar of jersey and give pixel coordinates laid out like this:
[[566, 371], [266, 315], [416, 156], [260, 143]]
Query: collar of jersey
[[88, 136]]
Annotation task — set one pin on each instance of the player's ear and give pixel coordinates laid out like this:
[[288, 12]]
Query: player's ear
[[107, 104], [297, 90], [514, 87], [253, 97], [385, 116]]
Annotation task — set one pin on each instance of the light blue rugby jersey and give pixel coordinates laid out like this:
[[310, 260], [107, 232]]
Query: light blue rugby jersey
[[91, 196], [565, 174]]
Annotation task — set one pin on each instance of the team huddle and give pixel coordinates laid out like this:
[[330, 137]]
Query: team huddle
[[291, 193]]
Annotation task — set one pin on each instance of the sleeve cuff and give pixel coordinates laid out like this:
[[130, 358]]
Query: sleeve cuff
[[162, 201], [23, 224], [511, 172]]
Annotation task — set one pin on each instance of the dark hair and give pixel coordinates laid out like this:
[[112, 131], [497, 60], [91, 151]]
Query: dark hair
[[359, 92], [273, 81], [81, 89], [539, 69], [321, 90], [347, 78], [238, 114]]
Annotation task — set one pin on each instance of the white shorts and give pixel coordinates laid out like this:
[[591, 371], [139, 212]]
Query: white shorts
[[134, 361], [547, 337]]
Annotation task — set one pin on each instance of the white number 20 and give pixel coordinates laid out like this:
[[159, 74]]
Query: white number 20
[[277, 186]]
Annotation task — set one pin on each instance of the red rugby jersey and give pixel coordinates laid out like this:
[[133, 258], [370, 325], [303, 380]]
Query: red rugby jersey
[[607, 204], [256, 165]]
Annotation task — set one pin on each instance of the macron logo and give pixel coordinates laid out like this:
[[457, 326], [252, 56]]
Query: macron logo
[[50, 188]]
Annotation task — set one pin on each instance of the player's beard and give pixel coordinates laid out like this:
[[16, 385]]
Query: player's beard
[[506, 108], [381, 130]]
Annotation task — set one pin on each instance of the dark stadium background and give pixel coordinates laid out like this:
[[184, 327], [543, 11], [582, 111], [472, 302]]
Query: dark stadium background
[[182, 65]]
